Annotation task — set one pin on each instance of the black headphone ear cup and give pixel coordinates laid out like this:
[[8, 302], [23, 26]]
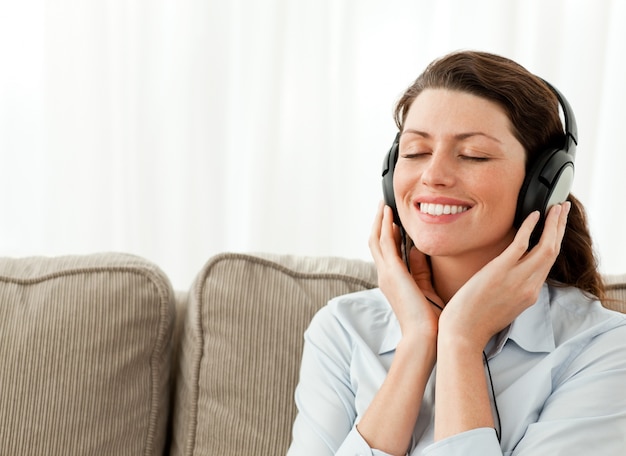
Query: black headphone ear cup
[[547, 182], [389, 164]]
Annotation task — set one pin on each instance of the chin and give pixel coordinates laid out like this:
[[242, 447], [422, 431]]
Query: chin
[[434, 248]]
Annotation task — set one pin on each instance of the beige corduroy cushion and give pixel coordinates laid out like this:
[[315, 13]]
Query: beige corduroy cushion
[[616, 291], [85, 346], [242, 347]]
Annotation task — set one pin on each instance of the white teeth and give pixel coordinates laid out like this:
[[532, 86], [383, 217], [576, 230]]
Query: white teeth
[[439, 209]]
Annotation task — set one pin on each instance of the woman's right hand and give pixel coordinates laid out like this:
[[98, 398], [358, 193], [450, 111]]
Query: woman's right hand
[[389, 421], [405, 290]]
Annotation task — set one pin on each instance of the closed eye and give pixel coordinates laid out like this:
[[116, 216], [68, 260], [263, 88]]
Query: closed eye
[[474, 158], [415, 155]]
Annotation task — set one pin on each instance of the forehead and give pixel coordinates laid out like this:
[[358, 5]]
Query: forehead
[[444, 111]]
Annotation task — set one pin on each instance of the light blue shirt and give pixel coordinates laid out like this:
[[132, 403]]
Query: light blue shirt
[[559, 375]]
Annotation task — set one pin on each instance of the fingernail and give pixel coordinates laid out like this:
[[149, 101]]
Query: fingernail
[[567, 205], [533, 216]]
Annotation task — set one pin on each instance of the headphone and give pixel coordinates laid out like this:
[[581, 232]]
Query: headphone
[[548, 181]]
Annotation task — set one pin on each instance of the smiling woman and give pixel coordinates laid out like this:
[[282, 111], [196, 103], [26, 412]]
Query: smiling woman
[[458, 149], [516, 328]]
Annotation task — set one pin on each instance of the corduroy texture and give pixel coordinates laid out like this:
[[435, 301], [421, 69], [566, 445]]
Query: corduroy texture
[[85, 345], [616, 288], [242, 347]]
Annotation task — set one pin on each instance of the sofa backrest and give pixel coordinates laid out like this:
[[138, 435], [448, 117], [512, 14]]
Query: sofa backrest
[[241, 348], [85, 345], [616, 290]]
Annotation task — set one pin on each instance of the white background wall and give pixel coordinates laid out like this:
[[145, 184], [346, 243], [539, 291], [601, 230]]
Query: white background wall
[[175, 130]]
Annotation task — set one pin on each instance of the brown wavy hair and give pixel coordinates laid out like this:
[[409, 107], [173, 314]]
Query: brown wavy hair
[[533, 110]]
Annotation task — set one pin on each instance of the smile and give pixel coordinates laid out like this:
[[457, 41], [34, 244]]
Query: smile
[[441, 209]]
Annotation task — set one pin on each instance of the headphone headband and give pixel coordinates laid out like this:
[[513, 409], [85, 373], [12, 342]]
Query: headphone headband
[[571, 128]]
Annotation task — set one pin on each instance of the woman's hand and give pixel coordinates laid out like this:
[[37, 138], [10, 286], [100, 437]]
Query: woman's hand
[[389, 421], [406, 290], [485, 305], [507, 285]]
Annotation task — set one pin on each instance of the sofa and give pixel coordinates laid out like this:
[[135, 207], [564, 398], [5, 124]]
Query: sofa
[[101, 356]]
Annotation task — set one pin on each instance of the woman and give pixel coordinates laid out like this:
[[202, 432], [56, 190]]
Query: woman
[[486, 343]]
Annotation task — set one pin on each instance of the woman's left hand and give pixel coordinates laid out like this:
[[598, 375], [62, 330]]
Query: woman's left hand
[[507, 285]]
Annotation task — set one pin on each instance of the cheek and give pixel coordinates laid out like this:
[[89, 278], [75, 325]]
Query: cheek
[[404, 180], [503, 192]]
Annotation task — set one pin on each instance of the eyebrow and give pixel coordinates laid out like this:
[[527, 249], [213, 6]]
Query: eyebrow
[[460, 136]]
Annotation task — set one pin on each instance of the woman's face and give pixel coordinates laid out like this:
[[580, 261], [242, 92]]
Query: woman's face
[[458, 175]]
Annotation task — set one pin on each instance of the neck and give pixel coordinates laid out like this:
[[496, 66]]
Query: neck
[[449, 274]]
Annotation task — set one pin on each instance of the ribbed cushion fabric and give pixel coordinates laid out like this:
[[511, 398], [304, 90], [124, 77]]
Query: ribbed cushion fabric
[[241, 348], [616, 290], [85, 346]]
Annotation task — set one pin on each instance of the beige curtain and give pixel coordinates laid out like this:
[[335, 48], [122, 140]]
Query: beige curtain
[[179, 129]]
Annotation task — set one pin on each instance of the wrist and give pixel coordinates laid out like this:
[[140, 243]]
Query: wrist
[[419, 335], [463, 334], [422, 350], [461, 343], [419, 327]]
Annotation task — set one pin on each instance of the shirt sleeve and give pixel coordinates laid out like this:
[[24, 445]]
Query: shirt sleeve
[[482, 441], [586, 412], [355, 445], [325, 424], [324, 397]]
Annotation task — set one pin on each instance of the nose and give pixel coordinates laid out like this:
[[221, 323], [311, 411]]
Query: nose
[[439, 170]]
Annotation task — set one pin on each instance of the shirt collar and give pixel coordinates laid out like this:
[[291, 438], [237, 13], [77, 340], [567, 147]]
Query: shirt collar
[[531, 330], [392, 338]]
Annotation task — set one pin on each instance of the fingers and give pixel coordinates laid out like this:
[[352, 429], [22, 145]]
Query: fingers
[[549, 244], [554, 229], [385, 237], [519, 246], [376, 225], [422, 275], [544, 254], [374, 240], [539, 260], [420, 269], [390, 234]]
